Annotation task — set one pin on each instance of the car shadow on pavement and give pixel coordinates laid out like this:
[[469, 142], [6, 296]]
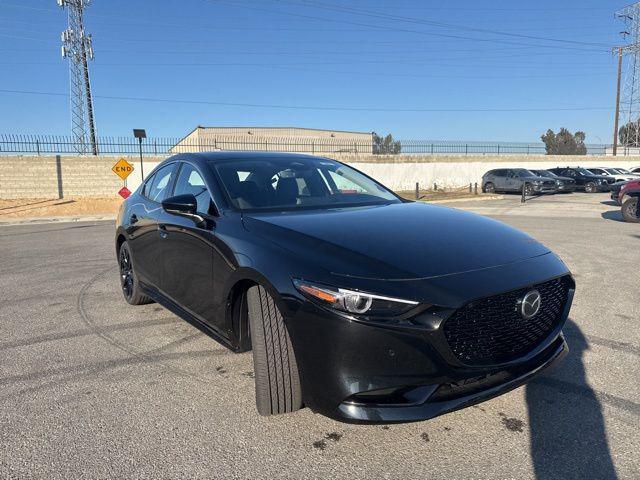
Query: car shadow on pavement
[[610, 203], [568, 435], [614, 215]]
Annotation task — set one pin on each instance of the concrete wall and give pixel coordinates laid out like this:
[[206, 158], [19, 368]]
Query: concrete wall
[[57, 177]]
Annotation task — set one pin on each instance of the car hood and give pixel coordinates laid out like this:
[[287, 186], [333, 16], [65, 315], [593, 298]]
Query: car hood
[[397, 241]]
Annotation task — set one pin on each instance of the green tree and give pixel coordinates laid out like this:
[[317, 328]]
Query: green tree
[[564, 142], [385, 145], [628, 134]]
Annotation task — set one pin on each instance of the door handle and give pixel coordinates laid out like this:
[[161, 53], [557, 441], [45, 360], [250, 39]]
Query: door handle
[[133, 219], [162, 229]]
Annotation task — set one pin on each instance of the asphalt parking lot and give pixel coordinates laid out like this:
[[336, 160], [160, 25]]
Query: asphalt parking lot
[[91, 387]]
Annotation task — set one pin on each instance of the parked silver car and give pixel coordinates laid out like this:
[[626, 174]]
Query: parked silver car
[[515, 179]]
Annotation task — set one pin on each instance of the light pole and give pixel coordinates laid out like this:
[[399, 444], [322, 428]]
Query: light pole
[[140, 133]]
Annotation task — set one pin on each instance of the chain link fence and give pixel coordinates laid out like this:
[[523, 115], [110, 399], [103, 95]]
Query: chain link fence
[[54, 144]]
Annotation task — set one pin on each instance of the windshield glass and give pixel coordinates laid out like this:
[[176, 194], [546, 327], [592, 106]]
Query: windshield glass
[[584, 171], [522, 172], [622, 170], [282, 183], [546, 173], [613, 171]]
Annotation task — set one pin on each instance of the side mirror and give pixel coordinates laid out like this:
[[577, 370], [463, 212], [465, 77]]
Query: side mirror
[[183, 206]]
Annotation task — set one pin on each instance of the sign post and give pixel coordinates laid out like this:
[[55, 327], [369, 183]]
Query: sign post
[[140, 133]]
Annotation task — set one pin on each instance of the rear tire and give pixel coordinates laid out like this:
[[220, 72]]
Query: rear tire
[[274, 362], [629, 210], [128, 279], [590, 187]]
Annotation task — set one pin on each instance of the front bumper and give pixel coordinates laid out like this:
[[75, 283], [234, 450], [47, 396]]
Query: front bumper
[[566, 188], [345, 363], [544, 189], [450, 396]]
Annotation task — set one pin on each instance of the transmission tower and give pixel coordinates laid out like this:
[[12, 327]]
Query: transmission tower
[[76, 46], [630, 94]]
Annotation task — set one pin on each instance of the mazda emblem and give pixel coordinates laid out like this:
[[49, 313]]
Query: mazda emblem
[[530, 304]]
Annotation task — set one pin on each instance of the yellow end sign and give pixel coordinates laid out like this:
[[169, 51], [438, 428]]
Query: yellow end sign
[[122, 168]]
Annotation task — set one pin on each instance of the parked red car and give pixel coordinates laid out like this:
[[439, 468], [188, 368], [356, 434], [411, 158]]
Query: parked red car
[[618, 193]]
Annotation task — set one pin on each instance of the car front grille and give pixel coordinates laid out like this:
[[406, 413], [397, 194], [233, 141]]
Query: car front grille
[[492, 330], [549, 183]]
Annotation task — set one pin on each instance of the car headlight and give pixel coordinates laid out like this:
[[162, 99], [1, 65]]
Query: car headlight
[[601, 181], [351, 301], [559, 183], [537, 182]]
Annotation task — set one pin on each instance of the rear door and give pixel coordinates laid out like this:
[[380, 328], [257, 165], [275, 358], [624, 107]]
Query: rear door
[[188, 248], [145, 241], [499, 179]]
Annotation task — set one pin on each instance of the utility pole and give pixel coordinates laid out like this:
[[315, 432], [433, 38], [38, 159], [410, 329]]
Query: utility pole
[[617, 119], [77, 47], [629, 103]]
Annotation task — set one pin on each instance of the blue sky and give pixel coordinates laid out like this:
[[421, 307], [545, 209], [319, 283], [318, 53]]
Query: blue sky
[[366, 65]]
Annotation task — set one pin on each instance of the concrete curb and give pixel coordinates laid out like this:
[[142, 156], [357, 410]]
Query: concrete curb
[[468, 199], [69, 219]]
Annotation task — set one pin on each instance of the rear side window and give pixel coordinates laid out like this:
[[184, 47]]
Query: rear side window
[[158, 189]]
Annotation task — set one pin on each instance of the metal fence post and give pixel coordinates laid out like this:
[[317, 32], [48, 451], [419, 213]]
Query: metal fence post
[[498, 149], [417, 191], [435, 186], [38, 146], [470, 188], [476, 188]]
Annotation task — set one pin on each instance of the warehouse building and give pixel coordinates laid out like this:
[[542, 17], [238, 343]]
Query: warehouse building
[[274, 139]]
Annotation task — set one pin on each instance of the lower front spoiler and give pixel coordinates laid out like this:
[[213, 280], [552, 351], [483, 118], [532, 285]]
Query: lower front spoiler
[[369, 414]]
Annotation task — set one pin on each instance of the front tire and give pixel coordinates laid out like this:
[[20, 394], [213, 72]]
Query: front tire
[[528, 190], [128, 278], [629, 210], [274, 362], [590, 187]]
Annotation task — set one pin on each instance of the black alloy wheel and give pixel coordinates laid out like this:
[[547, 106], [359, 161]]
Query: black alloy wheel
[[128, 280]]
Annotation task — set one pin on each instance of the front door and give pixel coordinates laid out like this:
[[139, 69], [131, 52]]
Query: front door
[[188, 267]]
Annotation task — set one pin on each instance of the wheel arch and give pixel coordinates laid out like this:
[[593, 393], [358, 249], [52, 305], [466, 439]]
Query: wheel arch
[[236, 306]]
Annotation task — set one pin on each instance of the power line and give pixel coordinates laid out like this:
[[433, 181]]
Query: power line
[[396, 29], [368, 13], [316, 107]]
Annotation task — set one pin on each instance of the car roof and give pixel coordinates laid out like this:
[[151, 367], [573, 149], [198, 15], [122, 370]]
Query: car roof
[[238, 155]]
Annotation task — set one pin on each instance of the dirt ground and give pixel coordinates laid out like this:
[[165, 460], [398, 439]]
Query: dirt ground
[[63, 207], [431, 195], [78, 207]]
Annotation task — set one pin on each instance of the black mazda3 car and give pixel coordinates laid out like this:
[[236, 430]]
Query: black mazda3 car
[[356, 303]]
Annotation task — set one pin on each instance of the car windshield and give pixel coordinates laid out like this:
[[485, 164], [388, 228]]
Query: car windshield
[[282, 183], [613, 171], [522, 172], [622, 170], [583, 171], [546, 173]]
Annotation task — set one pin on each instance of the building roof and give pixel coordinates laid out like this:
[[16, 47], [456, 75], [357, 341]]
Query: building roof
[[249, 127]]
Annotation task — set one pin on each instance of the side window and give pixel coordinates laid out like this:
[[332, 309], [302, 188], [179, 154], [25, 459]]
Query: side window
[[344, 184], [146, 186], [158, 190], [190, 182], [568, 173], [499, 173]]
